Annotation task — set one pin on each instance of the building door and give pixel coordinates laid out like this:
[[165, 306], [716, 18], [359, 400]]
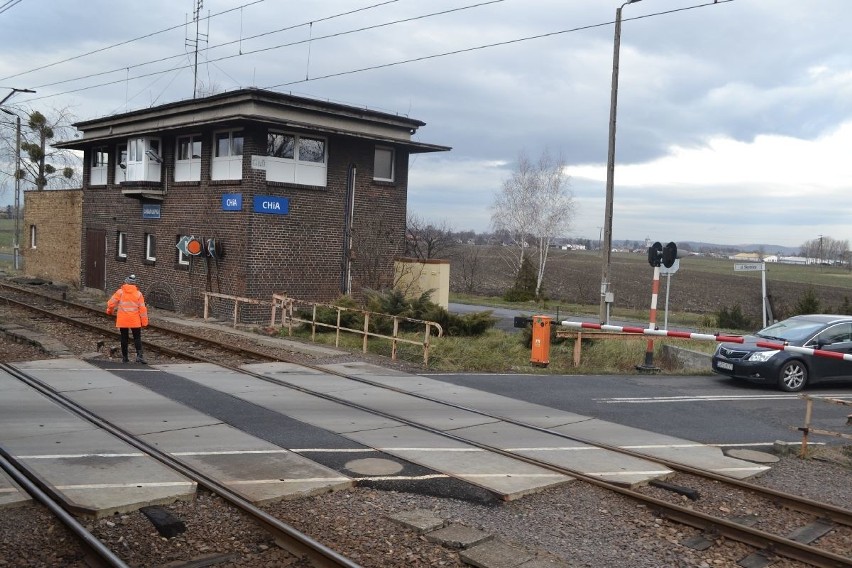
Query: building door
[[95, 258]]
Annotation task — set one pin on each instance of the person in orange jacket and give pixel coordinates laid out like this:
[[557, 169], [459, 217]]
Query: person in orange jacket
[[131, 314]]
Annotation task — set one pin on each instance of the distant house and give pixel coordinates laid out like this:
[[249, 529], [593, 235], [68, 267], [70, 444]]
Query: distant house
[[746, 257]]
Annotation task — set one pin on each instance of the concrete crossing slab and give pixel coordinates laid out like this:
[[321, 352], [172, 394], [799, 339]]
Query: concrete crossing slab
[[203, 440], [653, 445], [504, 476], [650, 444], [10, 494], [97, 473], [582, 458]]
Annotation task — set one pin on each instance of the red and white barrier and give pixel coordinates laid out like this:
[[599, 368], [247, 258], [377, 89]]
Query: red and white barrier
[[705, 337]]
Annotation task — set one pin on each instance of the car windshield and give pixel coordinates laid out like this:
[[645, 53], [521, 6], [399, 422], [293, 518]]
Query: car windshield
[[790, 330]]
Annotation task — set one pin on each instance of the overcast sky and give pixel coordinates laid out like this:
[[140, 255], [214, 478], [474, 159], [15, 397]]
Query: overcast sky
[[734, 118]]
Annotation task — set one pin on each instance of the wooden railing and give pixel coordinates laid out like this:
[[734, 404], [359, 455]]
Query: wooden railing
[[806, 429], [237, 301], [288, 308]]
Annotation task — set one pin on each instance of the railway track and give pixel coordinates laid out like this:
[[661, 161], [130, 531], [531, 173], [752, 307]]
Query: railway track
[[285, 535], [812, 518]]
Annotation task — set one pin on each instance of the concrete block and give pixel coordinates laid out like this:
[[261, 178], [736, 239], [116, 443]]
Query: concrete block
[[495, 554], [421, 520], [458, 536]]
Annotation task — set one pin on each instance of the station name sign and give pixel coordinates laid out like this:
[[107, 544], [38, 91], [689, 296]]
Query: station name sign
[[271, 205]]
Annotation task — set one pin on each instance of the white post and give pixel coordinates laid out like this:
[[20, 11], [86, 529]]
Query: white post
[[668, 287], [763, 289]]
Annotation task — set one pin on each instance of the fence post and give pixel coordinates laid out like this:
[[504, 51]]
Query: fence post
[[578, 347], [236, 311], [808, 412], [366, 329], [426, 345], [206, 305], [393, 342], [337, 330]]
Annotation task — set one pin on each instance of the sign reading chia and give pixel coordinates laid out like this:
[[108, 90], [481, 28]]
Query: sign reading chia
[[271, 205]]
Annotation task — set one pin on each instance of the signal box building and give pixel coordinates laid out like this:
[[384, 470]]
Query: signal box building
[[246, 193]]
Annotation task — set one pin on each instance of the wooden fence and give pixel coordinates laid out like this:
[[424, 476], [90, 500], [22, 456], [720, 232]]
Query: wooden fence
[[288, 308]]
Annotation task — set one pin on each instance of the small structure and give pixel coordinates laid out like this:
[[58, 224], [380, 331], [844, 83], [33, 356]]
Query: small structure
[[415, 276], [246, 193]]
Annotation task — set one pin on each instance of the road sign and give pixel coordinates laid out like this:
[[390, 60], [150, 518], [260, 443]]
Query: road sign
[[751, 267], [664, 270]]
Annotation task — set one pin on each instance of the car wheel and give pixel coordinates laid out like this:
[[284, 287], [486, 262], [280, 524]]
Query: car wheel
[[793, 376]]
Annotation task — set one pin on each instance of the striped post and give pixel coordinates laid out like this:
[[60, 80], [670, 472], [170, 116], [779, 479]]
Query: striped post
[[648, 365]]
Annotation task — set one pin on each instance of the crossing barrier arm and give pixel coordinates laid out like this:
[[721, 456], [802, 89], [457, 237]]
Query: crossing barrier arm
[[707, 337]]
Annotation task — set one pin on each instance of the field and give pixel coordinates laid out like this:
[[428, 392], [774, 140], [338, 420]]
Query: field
[[701, 287]]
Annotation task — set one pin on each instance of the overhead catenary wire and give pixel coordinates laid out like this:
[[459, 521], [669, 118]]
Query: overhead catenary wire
[[394, 63]]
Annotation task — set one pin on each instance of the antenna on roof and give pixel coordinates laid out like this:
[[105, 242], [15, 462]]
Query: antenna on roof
[[196, 17]]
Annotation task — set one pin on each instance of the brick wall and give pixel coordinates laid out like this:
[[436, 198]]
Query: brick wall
[[300, 254], [57, 218]]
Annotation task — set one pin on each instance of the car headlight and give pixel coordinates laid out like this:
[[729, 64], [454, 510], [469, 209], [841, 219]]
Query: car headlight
[[761, 356]]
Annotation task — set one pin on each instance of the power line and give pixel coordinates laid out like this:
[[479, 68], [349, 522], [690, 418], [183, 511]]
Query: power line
[[395, 63], [240, 40], [259, 50], [8, 5], [119, 44]]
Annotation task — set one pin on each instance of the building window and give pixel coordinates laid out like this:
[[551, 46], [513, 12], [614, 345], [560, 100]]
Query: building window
[[188, 162], [121, 245], [99, 163], [182, 259], [120, 163], [227, 155], [293, 158], [150, 247], [383, 169], [33, 236], [143, 159]]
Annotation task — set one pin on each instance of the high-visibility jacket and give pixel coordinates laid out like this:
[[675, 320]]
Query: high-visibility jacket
[[129, 306]]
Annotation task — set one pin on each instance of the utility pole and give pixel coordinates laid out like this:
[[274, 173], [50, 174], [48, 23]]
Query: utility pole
[[610, 171], [16, 244]]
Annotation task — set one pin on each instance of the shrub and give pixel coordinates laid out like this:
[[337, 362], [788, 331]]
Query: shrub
[[349, 319], [808, 303], [523, 289], [733, 318], [394, 302], [845, 308]]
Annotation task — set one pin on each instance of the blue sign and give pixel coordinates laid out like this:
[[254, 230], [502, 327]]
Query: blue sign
[[150, 210], [232, 202], [272, 205]]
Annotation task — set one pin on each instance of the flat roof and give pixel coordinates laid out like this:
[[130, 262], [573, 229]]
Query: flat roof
[[255, 105]]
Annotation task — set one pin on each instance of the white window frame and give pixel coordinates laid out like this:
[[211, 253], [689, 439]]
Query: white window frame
[[227, 166], [297, 170], [99, 166], [150, 247], [188, 169], [182, 259], [140, 166], [120, 159], [33, 236], [392, 152], [121, 245]]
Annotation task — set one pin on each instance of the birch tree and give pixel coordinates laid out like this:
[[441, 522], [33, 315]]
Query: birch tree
[[534, 206]]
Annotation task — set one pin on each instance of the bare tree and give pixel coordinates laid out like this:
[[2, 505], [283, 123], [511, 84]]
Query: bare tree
[[427, 239], [534, 206], [825, 248], [41, 165]]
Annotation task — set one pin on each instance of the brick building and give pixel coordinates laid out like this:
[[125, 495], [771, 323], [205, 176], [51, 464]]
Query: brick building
[[246, 193]]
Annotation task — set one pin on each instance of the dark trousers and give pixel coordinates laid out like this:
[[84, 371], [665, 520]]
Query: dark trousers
[[137, 341]]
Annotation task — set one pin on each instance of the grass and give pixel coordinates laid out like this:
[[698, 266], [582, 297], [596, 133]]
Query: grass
[[497, 351]]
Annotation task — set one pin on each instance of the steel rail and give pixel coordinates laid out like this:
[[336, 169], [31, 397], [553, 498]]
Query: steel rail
[[285, 535], [710, 524], [112, 332], [98, 552]]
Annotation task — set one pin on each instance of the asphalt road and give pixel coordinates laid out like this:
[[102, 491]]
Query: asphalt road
[[707, 409]]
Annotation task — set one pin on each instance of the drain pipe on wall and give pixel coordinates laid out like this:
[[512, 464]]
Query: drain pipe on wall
[[348, 215]]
